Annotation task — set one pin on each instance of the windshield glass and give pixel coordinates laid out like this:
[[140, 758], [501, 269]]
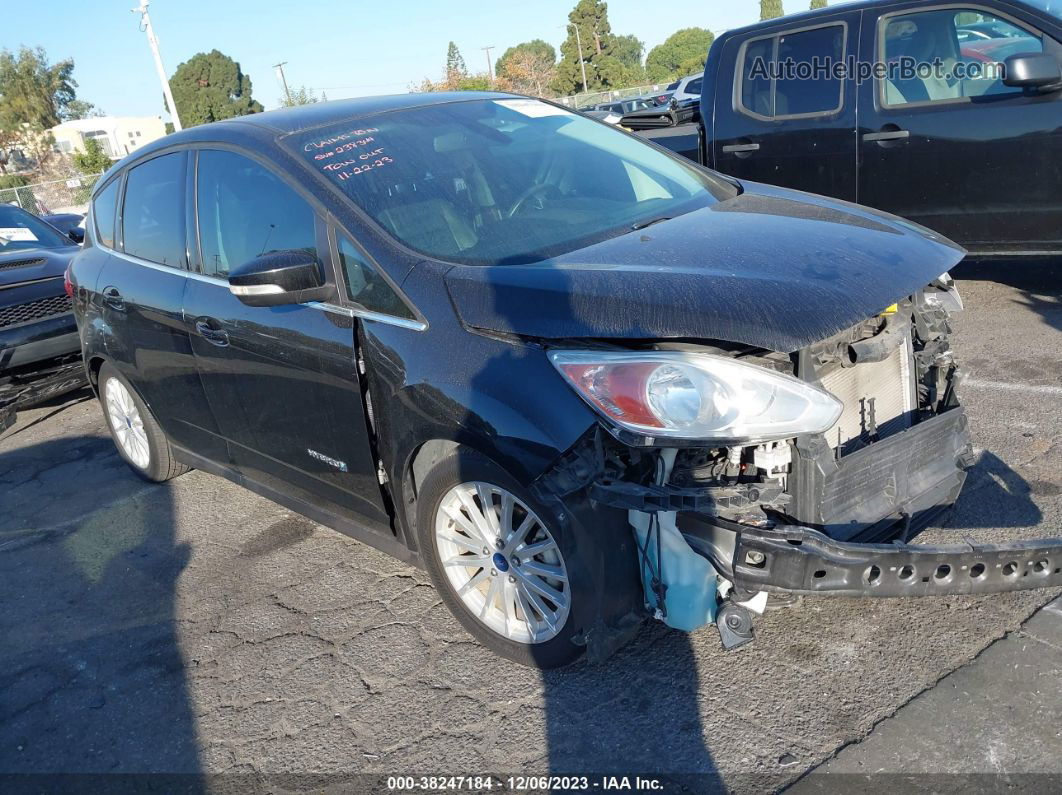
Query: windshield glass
[[502, 181], [1052, 7], [19, 231]]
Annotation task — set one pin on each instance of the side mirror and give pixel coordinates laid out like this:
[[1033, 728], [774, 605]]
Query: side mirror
[[1032, 70], [77, 235], [279, 278]]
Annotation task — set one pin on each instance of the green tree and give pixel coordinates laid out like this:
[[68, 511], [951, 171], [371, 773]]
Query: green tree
[[80, 109], [300, 95], [91, 163], [33, 91], [93, 160], [210, 87], [817, 4], [455, 63], [681, 53], [770, 9], [628, 50], [603, 68]]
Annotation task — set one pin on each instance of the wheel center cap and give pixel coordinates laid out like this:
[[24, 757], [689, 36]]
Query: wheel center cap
[[500, 563], [129, 423]]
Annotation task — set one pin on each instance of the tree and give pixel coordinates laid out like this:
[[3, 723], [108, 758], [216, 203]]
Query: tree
[[628, 50], [603, 68], [770, 9], [681, 53], [210, 87], [93, 160], [527, 68], [91, 163], [32, 91], [455, 63], [299, 96], [80, 109], [817, 4], [542, 52]]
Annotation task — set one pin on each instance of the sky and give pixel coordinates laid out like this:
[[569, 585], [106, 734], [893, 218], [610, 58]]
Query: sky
[[345, 48]]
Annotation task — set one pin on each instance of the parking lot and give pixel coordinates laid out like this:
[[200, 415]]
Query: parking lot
[[194, 627]]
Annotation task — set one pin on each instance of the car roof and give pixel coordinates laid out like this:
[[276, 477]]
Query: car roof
[[812, 16], [274, 123]]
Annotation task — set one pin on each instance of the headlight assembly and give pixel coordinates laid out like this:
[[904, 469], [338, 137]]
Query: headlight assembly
[[681, 395]]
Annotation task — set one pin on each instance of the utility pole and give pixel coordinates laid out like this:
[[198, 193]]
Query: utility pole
[[490, 68], [280, 71], [145, 25], [579, 44]]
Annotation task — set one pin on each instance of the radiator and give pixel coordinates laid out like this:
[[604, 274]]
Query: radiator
[[888, 383]]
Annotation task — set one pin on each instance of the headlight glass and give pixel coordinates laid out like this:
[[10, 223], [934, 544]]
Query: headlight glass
[[677, 394]]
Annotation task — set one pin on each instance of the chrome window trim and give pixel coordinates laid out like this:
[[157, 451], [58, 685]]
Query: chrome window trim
[[879, 50], [335, 309], [739, 74]]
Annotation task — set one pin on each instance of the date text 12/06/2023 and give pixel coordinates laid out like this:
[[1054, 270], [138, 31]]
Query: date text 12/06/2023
[[356, 161]]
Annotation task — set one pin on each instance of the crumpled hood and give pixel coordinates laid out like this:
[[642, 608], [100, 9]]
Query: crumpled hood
[[772, 268]]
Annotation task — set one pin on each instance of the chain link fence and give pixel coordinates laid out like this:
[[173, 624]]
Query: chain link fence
[[54, 196], [588, 99]]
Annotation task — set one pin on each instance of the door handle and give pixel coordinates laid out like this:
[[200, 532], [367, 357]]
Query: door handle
[[741, 148], [210, 330], [113, 298], [887, 135]]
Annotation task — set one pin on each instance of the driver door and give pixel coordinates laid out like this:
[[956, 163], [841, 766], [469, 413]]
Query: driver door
[[281, 381], [970, 158]]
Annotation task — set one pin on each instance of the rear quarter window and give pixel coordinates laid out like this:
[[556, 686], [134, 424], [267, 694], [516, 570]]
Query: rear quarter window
[[103, 211]]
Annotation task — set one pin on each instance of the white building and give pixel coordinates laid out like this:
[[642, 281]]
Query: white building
[[118, 135]]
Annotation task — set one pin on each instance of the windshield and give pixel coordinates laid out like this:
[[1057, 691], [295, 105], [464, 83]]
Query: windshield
[[19, 231], [1052, 7], [500, 181]]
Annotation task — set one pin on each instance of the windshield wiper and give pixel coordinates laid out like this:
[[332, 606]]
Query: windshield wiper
[[644, 224]]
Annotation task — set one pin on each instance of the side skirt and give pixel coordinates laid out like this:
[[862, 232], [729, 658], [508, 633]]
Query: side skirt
[[378, 536]]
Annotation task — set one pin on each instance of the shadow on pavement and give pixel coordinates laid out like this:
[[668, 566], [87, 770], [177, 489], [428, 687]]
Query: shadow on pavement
[[1038, 279], [91, 676]]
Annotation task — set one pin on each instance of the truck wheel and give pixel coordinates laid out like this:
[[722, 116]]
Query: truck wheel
[[498, 562], [136, 433]]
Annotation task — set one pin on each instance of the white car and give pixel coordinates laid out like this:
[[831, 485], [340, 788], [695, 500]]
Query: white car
[[687, 87]]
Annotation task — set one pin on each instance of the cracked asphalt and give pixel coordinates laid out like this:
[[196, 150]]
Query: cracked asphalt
[[194, 627]]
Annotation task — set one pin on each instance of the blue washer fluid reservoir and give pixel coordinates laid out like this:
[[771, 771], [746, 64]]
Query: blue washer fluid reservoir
[[692, 595]]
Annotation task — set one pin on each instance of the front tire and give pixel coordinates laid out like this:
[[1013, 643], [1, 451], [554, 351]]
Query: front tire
[[136, 433], [498, 562]]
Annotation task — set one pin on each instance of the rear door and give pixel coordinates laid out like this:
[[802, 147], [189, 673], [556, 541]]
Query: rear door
[[282, 381], [142, 285], [955, 149], [783, 113]]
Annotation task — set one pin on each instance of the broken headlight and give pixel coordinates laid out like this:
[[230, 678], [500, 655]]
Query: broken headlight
[[684, 395]]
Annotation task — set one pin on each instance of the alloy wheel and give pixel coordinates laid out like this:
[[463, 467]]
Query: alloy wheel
[[127, 424], [502, 562]]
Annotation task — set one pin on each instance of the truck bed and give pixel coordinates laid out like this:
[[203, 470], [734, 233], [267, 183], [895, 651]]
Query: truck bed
[[684, 139]]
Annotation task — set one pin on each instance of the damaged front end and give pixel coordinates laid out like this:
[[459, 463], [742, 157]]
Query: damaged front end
[[720, 524]]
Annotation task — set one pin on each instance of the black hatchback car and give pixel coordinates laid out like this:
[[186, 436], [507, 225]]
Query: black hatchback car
[[577, 378]]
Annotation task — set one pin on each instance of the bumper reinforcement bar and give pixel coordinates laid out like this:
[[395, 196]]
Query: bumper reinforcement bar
[[801, 560]]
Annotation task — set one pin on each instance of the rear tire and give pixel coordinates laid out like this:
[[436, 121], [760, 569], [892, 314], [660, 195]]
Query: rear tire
[[506, 588], [136, 433]]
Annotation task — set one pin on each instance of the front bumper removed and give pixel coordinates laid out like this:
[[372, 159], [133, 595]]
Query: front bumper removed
[[804, 561]]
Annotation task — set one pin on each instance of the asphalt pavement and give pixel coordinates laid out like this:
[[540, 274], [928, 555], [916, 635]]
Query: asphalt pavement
[[196, 628]]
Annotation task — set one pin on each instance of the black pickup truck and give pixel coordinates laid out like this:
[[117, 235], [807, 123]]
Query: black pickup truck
[[947, 114]]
